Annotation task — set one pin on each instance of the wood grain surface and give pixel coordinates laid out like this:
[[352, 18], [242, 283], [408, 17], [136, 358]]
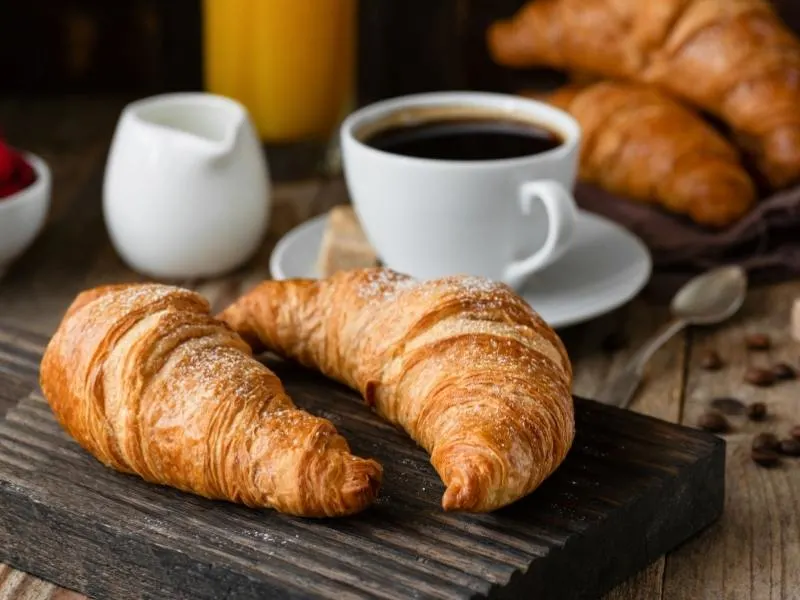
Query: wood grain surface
[[631, 489], [749, 553]]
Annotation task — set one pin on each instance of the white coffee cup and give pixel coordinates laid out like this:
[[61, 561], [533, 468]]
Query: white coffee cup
[[504, 219]]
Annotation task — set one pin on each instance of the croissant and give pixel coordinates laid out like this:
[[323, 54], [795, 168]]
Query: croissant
[[145, 380], [639, 143], [733, 58], [462, 364]]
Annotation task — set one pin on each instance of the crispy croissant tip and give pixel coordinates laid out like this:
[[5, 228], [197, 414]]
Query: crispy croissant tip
[[462, 494], [494, 38], [467, 475], [506, 45], [361, 484]]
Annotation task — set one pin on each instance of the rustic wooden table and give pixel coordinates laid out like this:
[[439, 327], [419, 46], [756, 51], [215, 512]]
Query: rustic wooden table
[[752, 552]]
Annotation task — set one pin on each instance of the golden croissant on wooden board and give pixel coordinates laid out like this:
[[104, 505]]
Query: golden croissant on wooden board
[[732, 58], [149, 383], [642, 144], [463, 365]]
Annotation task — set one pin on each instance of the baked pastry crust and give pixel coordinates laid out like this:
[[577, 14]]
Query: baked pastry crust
[[732, 58], [640, 143], [464, 365], [144, 379]]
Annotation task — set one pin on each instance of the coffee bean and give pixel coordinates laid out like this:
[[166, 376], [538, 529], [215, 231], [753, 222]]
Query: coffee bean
[[614, 342], [759, 377], [790, 447], [728, 406], [795, 432], [710, 360], [757, 411], [713, 421], [766, 441], [765, 458], [757, 341], [784, 371]]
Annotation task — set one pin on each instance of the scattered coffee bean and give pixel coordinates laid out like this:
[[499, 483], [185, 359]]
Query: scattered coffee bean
[[711, 361], [614, 342], [757, 341], [766, 441], [790, 447], [713, 421], [784, 371], [728, 406], [757, 411], [795, 432], [765, 458], [759, 377]]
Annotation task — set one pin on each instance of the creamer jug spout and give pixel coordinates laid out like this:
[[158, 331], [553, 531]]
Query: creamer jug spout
[[203, 124]]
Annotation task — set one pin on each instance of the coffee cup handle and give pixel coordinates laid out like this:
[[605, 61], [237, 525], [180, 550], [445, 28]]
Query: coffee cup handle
[[561, 216]]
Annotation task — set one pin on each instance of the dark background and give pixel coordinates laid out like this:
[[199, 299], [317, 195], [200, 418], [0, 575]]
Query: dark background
[[150, 46]]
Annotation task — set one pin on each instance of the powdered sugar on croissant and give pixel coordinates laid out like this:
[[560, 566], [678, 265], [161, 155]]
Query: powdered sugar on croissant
[[464, 365], [149, 383]]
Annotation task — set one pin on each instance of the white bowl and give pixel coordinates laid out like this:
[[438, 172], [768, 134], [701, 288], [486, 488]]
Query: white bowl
[[23, 214]]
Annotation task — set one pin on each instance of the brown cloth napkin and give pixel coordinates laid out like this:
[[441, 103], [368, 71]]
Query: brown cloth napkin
[[766, 242]]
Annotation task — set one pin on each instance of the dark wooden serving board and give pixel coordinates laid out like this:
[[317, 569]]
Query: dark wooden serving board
[[631, 489]]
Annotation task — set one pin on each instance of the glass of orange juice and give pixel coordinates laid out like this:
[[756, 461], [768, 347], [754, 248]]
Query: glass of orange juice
[[290, 62]]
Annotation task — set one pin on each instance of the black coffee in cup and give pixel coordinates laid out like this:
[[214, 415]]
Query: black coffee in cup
[[472, 138]]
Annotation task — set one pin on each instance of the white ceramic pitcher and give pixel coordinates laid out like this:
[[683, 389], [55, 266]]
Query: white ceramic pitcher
[[186, 191]]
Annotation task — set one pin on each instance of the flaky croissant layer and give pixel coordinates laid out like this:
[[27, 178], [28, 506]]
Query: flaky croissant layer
[[732, 58], [464, 365], [149, 383], [642, 144]]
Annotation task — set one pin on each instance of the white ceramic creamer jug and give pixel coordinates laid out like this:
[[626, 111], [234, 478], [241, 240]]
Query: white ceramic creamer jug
[[186, 191]]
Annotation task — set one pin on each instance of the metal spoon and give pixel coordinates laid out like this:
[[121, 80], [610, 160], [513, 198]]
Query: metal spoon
[[705, 300]]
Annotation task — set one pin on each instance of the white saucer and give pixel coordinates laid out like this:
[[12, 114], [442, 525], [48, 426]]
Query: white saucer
[[605, 267]]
